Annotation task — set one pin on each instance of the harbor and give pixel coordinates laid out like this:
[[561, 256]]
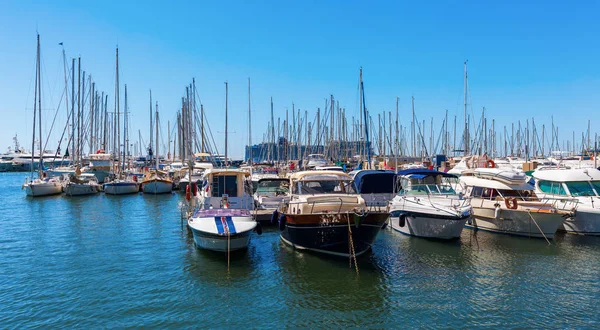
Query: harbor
[[292, 165], [130, 261]]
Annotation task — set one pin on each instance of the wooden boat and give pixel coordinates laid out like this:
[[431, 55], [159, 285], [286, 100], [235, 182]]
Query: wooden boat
[[326, 215]]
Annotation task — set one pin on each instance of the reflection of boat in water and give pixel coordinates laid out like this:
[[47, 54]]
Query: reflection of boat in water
[[504, 202], [427, 206], [326, 215]]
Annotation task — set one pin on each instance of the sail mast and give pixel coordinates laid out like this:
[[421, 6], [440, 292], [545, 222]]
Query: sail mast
[[249, 126], [226, 99], [466, 121]]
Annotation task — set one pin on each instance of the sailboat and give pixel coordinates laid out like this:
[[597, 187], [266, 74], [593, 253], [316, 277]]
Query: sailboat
[[157, 181], [120, 185], [42, 186]]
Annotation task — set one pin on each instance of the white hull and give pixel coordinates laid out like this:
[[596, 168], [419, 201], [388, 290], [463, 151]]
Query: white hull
[[121, 188], [157, 187], [76, 189], [207, 235], [43, 189], [516, 222], [220, 244], [429, 227], [585, 222]]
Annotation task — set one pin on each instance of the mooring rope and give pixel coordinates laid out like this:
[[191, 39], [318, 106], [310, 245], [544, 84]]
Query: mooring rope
[[351, 245], [538, 227]]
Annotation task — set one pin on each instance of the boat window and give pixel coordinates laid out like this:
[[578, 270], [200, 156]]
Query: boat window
[[476, 192], [325, 187], [580, 188], [551, 187], [224, 184], [275, 187], [596, 185], [489, 193], [521, 195]]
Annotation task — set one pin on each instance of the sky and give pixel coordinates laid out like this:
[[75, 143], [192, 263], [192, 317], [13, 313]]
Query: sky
[[526, 59]]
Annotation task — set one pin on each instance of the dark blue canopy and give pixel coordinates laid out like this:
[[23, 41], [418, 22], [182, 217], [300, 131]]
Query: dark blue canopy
[[423, 172], [375, 182]]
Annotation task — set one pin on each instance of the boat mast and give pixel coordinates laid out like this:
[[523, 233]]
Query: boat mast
[[466, 121], [226, 99], [367, 145], [249, 126], [118, 107], [125, 138], [156, 150], [35, 108]]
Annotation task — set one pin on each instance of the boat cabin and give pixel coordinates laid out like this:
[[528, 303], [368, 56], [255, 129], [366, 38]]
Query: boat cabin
[[225, 187], [569, 183], [426, 182]]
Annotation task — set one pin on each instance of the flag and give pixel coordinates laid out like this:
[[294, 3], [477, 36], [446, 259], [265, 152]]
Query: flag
[[67, 153], [60, 43]]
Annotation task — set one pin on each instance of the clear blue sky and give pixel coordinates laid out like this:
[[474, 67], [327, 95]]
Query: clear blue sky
[[526, 59]]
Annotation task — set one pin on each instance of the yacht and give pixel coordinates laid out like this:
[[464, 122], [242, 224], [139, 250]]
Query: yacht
[[428, 206], [315, 160], [80, 184], [576, 191], [504, 202], [271, 192], [157, 182], [326, 215]]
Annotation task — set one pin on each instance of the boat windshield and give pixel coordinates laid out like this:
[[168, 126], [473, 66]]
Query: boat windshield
[[273, 187], [427, 189], [583, 188], [325, 187], [523, 195]]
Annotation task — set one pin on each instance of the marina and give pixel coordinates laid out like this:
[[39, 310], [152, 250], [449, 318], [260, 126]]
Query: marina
[[129, 261], [299, 165]]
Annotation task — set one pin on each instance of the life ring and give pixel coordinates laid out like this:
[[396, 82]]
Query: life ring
[[187, 192], [490, 164], [511, 203], [402, 220]]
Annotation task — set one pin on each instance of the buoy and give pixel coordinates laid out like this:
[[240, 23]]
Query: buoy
[[274, 217], [497, 211], [282, 222], [187, 192], [490, 163]]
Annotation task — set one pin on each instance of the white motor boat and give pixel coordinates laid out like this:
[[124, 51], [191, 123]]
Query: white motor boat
[[576, 191], [222, 230], [223, 222], [504, 202], [82, 184], [271, 192], [428, 206]]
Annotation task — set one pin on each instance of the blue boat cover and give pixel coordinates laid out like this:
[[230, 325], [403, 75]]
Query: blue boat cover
[[374, 182]]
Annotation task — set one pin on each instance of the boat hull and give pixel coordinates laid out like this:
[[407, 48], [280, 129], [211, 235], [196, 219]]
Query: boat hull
[[75, 189], [43, 189], [328, 233], [585, 222], [121, 188], [221, 230], [516, 222], [157, 187], [426, 225]]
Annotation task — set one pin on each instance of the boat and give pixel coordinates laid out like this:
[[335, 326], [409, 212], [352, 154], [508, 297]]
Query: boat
[[81, 184], [506, 203], [315, 160], [376, 187], [326, 215], [271, 192], [157, 181], [576, 191], [428, 206], [223, 220], [41, 186], [120, 184]]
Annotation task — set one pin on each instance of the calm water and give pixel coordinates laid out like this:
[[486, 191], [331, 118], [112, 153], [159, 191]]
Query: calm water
[[102, 261]]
